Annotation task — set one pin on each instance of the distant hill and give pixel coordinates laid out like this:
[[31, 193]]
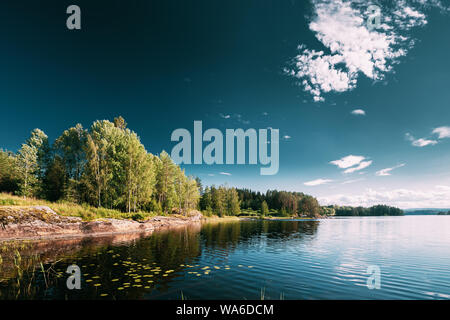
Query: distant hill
[[426, 211]]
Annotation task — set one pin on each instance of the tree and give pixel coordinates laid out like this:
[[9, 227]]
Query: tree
[[9, 181], [233, 203], [191, 194], [54, 180], [139, 177], [165, 181], [27, 158], [33, 159], [70, 146], [218, 196], [99, 165], [309, 206], [199, 185], [206, 201], [264, 209]]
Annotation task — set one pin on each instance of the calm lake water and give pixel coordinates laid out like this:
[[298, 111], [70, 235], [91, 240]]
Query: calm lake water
[[325, 259]]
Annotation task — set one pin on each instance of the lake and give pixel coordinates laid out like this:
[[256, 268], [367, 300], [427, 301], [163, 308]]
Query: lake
[[326, 259]]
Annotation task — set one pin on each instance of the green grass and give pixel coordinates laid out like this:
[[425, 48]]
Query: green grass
[[64, 208]]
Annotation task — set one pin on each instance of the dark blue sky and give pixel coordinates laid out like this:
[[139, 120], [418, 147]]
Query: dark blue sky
[[163, 64]]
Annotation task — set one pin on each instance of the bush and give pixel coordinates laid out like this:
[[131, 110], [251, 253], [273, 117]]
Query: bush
[[138, 216]]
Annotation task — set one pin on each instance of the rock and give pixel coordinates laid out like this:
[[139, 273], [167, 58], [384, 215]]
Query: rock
[[42, 222], [45, 209]]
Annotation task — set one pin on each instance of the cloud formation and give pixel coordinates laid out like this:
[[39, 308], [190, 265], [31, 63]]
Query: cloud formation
[[362, 165], [352, 163], [441, 132], [387, 171], [351, 47], [352, 181], [317, 182], [437, 197], [348, 161], [420, 142], [358, 112]]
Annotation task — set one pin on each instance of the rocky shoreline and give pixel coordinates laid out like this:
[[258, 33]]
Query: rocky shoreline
[[41, 222]]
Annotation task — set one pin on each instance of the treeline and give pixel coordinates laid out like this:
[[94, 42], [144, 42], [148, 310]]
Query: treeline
[[222, 201], [378, 210], [231, 201], [106, 166], [284, 202]]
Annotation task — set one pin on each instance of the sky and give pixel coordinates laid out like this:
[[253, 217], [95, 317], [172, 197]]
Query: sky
[[361, 103]]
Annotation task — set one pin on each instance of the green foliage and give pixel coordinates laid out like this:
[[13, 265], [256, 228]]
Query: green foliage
[[222, 201], [327, 211], [9, 181], [138, 216], [27, 168], [165, 181], [378, 210], [283, 213], [264, 209], [54, 180], [233, 203], [106, 166], [309, 206], [70, 146]]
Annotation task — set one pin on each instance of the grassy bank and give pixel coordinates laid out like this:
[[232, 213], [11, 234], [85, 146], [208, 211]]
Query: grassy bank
[[63, 208], [273, 214], [221, 219]]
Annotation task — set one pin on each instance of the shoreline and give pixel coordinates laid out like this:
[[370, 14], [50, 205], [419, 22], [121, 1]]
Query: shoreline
[[42, 223], [19, 223]]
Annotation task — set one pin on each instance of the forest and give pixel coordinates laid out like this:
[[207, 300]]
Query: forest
[[378, 210], [107, 166]]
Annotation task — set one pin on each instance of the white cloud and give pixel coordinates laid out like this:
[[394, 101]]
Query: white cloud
[[352, 49], [352, 181], [422, 142], [348, 161], [444, 188], [287, 137], [359, 112], [387, 171], [317, 182], [442, 132], [225, 116], [225, 173], [362, 165], [437, 197]]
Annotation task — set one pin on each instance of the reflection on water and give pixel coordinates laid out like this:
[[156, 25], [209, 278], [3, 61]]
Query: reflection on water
[[241, 260]]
